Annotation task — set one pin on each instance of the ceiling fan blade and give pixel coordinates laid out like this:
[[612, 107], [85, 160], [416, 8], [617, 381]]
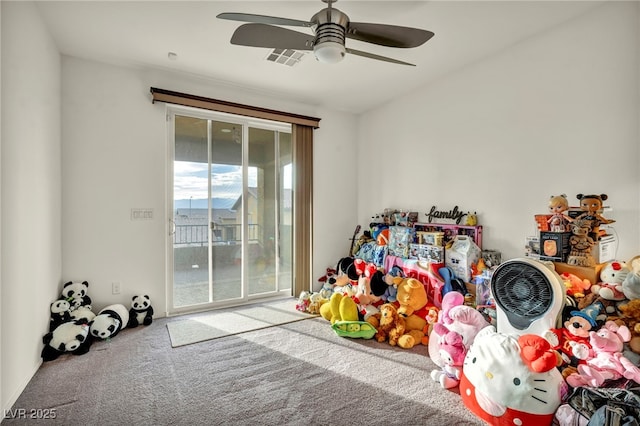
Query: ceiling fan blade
[[388, 35], [378, 57], [262, 19], [262, 35]]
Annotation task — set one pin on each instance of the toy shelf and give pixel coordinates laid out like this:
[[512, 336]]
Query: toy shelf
[[451, 230]]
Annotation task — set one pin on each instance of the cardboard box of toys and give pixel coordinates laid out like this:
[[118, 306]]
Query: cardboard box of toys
[[591, 273], [554, 246], [462, 254]]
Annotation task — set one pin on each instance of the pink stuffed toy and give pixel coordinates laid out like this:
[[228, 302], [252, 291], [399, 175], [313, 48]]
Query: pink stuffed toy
[[449, 300], [463, 319], [607, 362], [452, 353]]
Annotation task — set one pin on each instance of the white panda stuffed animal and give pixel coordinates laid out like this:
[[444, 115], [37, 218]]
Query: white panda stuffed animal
[[70, 337], [83, 313], [141, 311], [109, 321], [60, 313], [76, 294]]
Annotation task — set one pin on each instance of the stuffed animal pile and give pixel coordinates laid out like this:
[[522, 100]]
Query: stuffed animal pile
[[73, 326], [503, 379]]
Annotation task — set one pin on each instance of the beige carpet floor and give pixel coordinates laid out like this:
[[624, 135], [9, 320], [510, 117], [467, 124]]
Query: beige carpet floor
[[295, 374], [226, 322]]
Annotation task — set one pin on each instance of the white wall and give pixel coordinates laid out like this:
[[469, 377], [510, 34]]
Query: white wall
[[114, 159], [557, 113], [31, 193]]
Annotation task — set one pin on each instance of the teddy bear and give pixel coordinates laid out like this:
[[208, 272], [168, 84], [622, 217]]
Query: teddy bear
[[391, 325], [452, 352], [76, 294], [414, 308], [412, 297], [612, 276], [70, 337], [607, 361], [109, 321], [141, 311], [631, 316], [60, 313]]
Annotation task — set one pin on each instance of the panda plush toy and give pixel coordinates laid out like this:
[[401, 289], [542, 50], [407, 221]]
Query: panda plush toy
[[69, 337], [109, 321], [76, 294], [60, 313], [83, 313], [141, 311]]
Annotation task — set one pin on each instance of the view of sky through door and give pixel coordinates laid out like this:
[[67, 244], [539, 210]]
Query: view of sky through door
[[220, 251]]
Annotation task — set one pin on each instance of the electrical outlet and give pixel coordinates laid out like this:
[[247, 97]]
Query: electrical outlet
[[115, 287]]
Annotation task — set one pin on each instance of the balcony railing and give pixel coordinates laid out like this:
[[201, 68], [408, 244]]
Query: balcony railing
[[190, 235]]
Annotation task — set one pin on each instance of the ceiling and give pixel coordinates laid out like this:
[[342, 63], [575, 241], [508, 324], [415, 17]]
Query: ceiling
[[141, 34]]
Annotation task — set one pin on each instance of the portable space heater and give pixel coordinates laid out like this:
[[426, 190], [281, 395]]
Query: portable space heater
[[529, 296]]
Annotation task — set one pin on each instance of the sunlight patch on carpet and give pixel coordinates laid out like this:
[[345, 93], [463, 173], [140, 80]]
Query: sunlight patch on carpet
[[229, 322]]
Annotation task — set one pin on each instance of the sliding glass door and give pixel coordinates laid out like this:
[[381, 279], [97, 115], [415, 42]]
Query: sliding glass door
[[231, 183]]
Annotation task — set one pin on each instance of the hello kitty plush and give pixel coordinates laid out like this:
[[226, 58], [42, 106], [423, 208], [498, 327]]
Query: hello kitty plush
[[612, 276], [510, 380]]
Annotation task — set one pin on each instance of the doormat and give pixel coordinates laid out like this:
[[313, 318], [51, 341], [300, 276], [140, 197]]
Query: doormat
[[227, 322]]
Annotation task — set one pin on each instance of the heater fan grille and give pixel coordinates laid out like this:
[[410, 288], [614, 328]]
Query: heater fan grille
[[522, 290]]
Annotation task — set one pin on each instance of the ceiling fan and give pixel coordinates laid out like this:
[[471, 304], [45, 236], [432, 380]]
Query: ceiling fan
[[331, 27]]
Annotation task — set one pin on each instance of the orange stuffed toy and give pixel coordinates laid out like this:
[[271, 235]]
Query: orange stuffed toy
[[391, 325]]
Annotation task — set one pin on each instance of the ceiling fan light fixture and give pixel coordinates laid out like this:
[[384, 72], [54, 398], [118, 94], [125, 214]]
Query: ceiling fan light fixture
[[329, 52]]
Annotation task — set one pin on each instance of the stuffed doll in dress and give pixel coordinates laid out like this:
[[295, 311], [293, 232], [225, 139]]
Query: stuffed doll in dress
[[558, 205]]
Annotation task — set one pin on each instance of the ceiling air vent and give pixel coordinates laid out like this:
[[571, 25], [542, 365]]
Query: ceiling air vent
[[288, 57]]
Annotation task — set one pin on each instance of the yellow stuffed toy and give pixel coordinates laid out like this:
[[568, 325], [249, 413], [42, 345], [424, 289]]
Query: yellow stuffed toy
[[339, 308], [412, 297]]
